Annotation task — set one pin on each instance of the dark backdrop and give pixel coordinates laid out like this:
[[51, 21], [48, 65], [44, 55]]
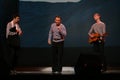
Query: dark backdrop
[[36, 18]]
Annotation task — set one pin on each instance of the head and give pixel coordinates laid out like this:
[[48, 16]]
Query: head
[[16, 18], [57, 20], [96, 16]]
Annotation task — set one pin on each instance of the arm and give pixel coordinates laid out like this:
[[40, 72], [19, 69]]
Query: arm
[[63, 31], [18, 29], [104, 29], [90, 32], [50, 36], [7, 30]]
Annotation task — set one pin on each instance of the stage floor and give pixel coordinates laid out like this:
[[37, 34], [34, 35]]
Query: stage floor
[[43, 70], [65, 70], [68, 73]]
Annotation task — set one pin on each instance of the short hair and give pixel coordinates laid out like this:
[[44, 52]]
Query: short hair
[[15, 15], [97, 14], [57, 17]]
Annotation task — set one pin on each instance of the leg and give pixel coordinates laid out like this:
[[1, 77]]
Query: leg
[[60, 54], [104, 64], [54, 57], [95, 47], [11, 57]]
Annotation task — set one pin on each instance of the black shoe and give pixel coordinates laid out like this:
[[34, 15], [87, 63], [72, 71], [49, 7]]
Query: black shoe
[[56, 72], [104, 68], [13, 72]]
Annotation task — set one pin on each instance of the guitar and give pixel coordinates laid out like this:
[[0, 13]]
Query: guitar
[[96, 37]]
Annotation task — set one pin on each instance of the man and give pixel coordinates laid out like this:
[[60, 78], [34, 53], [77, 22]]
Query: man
[[13, 31], [56, 38], [97, 34]]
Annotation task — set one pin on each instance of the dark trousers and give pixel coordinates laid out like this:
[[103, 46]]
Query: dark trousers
[[13, 43], [57, 48], [12, 56], [98, 47]]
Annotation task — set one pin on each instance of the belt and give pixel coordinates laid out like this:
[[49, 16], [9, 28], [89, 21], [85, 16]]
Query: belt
[[56, 39]]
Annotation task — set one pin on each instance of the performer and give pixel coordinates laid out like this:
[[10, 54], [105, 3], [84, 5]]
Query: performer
[[56, 38], [97, 35], [13, 31]]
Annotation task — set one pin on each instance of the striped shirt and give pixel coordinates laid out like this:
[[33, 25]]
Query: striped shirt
[[11, 25], [57, 35], [99, 28]]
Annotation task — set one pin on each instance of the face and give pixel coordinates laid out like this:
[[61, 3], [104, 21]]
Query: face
[[17, 19], [96, 16], [57, 21]]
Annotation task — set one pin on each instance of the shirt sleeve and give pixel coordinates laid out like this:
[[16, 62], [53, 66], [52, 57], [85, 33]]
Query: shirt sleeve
[[7, 30], [50, 33], [90, 31], [104, 28], [18, 28], [63, 31]]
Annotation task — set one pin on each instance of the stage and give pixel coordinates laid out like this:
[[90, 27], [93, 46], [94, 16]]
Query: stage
[[65, 70], [35, 73], [37, 64], [43, 70]]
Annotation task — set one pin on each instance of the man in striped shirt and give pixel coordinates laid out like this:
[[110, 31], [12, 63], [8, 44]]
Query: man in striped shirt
[[56, 38], [98, 27], [13, 33]]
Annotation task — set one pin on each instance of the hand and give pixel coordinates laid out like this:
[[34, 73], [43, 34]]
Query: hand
[[59, 28], [91, 35], [49, 42], [19, 32]]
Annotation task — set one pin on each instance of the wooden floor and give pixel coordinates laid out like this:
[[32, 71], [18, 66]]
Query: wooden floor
[[68, 73], [43, 70], [67, 70]]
